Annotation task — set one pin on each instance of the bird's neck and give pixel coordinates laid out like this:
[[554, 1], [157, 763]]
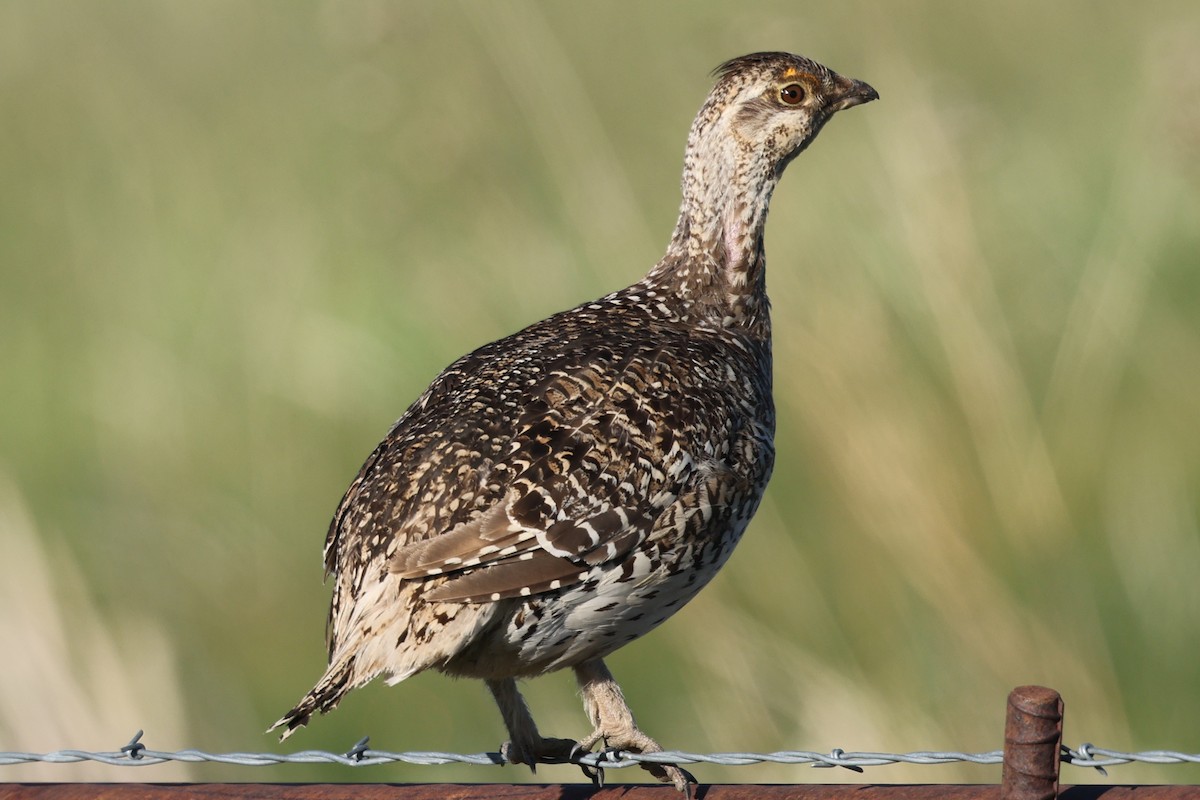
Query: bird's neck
[[715, 264]]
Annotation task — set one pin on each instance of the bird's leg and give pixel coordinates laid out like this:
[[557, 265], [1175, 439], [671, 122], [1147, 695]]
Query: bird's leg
[[525, 744], [605, 706]]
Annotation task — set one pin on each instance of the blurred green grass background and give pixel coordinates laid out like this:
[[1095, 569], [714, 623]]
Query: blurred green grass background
[[237, 239]]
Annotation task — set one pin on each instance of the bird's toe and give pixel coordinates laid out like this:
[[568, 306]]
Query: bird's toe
[[539, 751], [633, 740]]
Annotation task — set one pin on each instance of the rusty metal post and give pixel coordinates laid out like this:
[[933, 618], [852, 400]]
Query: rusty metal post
[[1032, 741]]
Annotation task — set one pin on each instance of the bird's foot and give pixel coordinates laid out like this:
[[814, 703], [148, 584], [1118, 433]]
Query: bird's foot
[[538, 751], [632, 740]]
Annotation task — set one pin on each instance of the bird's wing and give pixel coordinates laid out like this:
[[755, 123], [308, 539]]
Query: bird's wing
[[532, 460], [505, 553], [589, 483]]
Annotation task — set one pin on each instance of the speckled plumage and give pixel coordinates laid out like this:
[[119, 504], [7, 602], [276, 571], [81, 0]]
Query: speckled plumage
[[562, 491]]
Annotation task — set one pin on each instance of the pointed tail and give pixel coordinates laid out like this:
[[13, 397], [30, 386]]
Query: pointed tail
[[324, 697]]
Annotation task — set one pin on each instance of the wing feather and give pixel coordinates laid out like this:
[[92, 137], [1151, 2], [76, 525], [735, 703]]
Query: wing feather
[[529, 573], [493, 535]]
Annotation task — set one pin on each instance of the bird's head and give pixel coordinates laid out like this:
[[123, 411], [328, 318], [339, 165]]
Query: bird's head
[[763, 111], [770, 106]]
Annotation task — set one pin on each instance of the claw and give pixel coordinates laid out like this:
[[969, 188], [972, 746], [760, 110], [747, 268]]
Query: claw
[[679, 777], [689, 783], [506, 753], [593, 774]]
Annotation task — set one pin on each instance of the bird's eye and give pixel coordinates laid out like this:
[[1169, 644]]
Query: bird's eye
[[792, 94]]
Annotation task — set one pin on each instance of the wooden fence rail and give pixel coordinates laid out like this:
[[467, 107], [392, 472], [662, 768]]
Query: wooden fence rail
[[506, 791]]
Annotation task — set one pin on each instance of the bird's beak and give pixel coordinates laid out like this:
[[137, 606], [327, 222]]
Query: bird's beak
[[852, 93]]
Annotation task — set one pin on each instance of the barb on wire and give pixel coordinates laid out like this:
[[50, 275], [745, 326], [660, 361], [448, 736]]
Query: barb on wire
[[360, 747], [135, 747], [1089, 755], [136, 754]]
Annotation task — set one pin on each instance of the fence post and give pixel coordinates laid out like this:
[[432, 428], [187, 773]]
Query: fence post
[[1032, 744]]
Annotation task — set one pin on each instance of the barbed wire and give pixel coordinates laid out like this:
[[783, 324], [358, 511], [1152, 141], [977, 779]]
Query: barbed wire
[[136, 754]]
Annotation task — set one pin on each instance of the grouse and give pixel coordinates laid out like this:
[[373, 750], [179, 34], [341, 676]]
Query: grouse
[[560, 492]]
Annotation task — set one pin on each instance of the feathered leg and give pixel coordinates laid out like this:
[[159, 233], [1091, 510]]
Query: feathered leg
[[607, 709], [525, 744]]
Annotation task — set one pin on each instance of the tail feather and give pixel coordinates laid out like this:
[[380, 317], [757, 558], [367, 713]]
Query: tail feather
[[324, 697]]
